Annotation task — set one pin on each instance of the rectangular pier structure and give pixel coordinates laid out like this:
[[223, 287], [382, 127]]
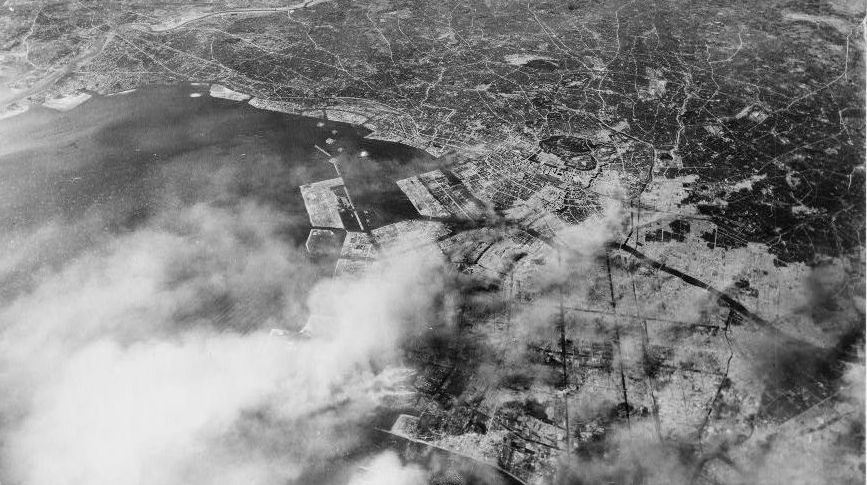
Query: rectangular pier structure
[[322, 203]]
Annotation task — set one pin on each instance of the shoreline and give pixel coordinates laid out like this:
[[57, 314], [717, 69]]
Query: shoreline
[[375, 119]]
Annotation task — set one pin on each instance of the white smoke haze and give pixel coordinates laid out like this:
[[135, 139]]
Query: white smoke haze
[[387, 469], [589, 237], [568, 267], [147, 360], [854, 389], [577, 247], [633, 454]]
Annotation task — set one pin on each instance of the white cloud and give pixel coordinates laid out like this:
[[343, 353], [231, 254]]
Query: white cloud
[[386, 469], [124, 368]]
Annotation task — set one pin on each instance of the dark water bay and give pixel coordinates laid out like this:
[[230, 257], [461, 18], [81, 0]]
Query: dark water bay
[[113, 163], [108, 152]]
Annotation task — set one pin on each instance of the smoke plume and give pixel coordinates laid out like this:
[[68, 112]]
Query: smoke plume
[[144, 355]]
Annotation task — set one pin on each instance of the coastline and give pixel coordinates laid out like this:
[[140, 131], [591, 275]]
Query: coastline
[[383, 123]]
